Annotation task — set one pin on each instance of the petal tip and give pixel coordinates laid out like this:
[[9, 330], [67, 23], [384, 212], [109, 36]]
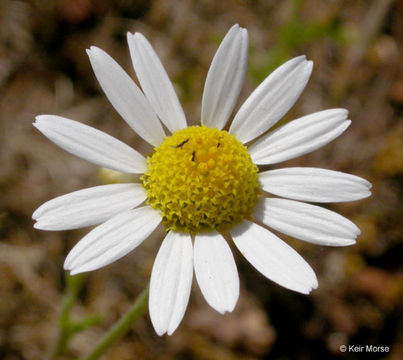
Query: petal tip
[[300, 58], [311, 289], [304, 291], [314, 282], [43, 223], [244, 34], [220, 310], [39, 120], [350, 241], [160, 330], [228, 309], [37, 213], [68, 262], [353, 241], [309, 66], [366, 193], [344, 111], [94, 51], [139, 35], [231, 307], [90, 51], [75, 272], [159, 325], [172, 327]]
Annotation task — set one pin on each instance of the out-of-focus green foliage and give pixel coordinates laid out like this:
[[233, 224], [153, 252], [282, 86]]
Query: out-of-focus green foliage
[[291, 36]]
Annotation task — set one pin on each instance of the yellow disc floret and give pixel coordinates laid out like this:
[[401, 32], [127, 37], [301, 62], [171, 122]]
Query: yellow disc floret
[[201, 179]]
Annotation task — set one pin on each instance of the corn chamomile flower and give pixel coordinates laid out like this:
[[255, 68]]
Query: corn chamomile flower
[[201, 182]]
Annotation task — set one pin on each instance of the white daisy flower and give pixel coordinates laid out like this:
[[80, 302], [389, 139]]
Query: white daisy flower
[[202, 182]]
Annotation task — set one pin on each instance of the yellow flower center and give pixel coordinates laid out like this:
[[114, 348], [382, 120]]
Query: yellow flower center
[[201, 179]]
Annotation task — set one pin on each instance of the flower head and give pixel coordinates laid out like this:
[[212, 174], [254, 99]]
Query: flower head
[[201, 179], [202, 182]]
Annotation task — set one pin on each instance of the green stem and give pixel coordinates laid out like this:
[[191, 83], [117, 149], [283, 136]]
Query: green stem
[[73, 287], [120, 329]]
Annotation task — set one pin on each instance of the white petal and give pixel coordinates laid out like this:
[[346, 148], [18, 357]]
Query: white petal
[[155, 82], [307, 222], [112, 240], [171, 281], [126, 97], [300, 136], [225, 78], [88, 206], [272, 99], [314, 184], [91, 144], [216, 271], [274, 258]]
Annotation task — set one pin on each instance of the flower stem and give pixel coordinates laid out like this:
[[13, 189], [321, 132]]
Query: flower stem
[[118, 330], [73, 287]]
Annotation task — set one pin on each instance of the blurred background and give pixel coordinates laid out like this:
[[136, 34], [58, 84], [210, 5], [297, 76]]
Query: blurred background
[[356, 48]]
